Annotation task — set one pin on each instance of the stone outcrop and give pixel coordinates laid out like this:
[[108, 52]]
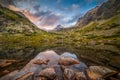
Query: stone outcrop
[[48, 73], [105, 11]]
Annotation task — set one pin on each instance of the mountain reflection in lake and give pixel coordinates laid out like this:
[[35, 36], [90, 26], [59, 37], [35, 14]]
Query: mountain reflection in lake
[[18, 56], [53, 66], [21, 56], [53, 58]]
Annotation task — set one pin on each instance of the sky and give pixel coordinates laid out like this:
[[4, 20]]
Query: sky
[[47, 14]]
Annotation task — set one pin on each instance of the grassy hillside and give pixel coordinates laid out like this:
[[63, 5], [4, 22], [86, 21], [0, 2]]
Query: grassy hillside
[[109, 28], [16, 29], [100, 33], [103, 28], [11, 22]]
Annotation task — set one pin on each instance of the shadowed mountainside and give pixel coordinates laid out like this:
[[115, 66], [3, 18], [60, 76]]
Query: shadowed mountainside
[[105, 11]]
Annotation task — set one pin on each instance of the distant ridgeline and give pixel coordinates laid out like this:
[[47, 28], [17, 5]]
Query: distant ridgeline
[[12, 22], [105, 11], [15, 22]]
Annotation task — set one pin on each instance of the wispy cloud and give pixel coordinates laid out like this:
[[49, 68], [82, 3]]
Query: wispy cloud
[[74, 6], [74, 18], [37, 7], [49, 19]]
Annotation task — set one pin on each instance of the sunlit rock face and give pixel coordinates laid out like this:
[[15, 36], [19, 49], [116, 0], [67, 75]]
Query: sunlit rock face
[[27, 14], [11, 7]]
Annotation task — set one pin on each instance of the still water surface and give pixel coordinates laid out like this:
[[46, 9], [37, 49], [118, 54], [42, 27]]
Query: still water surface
[[23, 54]]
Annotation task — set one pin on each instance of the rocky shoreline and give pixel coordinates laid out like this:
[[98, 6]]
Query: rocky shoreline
[[51, 66]]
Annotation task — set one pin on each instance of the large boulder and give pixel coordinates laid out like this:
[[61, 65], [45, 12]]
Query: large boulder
[[68, 61], [48, 73], [72, 74], [99, 72]]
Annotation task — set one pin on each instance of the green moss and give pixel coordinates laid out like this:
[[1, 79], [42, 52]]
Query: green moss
[[9, 14]]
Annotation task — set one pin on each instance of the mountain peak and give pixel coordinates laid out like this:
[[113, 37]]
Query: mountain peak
[[59, 27]]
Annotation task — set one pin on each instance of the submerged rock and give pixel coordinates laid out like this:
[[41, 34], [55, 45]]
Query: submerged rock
[[9, 76], [59, 72], [69, 69], [4, 63], [48, 73], [71, 74], [68, 61], [94, 76], [78, 67], [41, 61], [80, 76], [5, 72], [41, 78], [27, 76], [99, 72], [68, 74]]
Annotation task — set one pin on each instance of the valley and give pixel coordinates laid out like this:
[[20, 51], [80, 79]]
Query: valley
[[96, 43]]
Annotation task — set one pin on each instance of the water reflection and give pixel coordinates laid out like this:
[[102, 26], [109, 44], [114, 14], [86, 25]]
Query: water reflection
[[56, 66], [89, 55], [53, 58]]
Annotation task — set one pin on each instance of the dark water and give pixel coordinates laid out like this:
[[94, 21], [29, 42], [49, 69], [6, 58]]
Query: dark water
[[88, 55]]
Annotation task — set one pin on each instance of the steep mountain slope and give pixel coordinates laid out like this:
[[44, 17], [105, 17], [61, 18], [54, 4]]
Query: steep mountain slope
[[102, 28], [88, 17], [11, 22], [109, 28], [105, 11]]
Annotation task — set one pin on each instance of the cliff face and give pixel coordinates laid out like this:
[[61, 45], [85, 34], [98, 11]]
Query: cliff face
[[109, 9], [105, 11], [11, 22], [88, 17]]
